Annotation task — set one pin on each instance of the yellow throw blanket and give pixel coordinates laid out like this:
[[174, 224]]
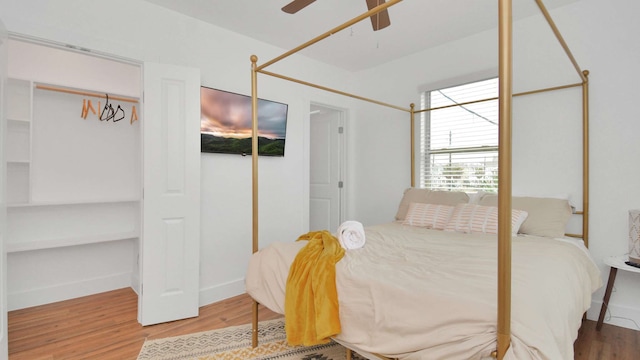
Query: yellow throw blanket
[[311, 299]]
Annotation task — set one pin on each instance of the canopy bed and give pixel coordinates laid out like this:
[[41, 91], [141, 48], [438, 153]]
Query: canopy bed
[[413, 238]]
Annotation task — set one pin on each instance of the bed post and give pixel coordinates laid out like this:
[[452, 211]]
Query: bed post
[[585, 158], [585, 121], [504, 177], [412, 107], [254, 164]]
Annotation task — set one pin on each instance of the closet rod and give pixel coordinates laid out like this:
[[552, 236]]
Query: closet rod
[[85, 93]]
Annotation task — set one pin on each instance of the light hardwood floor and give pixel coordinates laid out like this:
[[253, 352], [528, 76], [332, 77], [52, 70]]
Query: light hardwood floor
[[105, 326]]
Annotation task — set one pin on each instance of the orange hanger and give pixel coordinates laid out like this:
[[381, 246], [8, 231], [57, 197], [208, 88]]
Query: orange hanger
[[134, 115], [86, 106], [90, 107], [84, 109]]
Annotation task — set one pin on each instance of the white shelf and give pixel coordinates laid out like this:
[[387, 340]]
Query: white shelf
[[18, 161], [18, 140], [17, 182], [74, 203], [18, 99], [64, 242], [20, 120]]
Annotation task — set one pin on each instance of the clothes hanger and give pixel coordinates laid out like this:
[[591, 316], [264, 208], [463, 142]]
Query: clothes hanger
[[90, 107], [134, 115], [84, 109]]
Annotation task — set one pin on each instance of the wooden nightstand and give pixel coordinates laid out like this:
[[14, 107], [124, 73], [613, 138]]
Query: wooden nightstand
[[615, 262]]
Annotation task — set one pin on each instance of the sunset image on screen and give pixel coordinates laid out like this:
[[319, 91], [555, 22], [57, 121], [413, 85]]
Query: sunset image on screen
[[225, 123]]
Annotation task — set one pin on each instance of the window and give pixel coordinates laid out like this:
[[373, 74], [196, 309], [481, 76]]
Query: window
[[459, 144]]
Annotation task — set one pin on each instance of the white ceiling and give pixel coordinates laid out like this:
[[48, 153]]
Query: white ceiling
[[415, 25]]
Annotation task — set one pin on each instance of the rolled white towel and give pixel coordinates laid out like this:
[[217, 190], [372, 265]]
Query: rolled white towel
[[351, 235]]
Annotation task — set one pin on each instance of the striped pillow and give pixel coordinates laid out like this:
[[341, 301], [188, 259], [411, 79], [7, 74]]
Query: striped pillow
[[431, 216], [471, 218]]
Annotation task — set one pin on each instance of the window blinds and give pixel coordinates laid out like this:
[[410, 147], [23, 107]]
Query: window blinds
[[459, 143]]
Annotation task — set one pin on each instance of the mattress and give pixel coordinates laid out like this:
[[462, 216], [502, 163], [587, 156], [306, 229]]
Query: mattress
[[415, 293]]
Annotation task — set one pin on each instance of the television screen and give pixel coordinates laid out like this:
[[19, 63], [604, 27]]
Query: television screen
[[225, 124]]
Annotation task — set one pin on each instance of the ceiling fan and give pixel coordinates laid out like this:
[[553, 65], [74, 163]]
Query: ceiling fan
[[378, 21]]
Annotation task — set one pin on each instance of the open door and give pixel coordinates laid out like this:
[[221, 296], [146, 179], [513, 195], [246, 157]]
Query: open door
[[170, 236], [4, 348], [326, 186]]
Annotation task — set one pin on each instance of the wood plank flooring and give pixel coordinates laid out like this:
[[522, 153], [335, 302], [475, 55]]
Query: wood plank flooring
[[105, 326], [610, 343]]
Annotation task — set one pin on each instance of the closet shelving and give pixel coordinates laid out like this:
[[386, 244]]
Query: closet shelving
[[76, 202], [38, 221], [69, 241], [18, 140]]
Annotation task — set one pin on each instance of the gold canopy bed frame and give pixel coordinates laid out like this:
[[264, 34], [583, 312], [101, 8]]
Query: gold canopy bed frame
[[505, 65]]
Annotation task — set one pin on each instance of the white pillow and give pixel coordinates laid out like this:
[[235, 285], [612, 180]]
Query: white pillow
[[471, 218], [474, 198], [547, 216], [426, 196], [431, 216]]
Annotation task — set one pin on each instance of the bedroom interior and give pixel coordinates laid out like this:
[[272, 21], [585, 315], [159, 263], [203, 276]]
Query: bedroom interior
[[608, 220], [504, 197]]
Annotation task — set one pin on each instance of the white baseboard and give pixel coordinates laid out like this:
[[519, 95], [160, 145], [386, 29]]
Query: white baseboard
[[72, 290], [60, 292], [216, 293], [135, 282], [617, 315]]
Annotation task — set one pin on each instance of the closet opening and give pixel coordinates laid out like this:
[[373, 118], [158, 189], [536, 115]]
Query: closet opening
[[73, 172]]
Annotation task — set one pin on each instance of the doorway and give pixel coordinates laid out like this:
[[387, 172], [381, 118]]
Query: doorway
[[72, 173], [327, 167]]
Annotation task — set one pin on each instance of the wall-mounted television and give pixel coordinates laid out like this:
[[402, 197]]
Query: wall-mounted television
[[225, 124]]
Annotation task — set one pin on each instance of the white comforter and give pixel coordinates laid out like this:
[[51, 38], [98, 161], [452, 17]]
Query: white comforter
[[415, 293]]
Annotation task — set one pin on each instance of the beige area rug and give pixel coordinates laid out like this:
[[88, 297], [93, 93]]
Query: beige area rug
[[234, 343]]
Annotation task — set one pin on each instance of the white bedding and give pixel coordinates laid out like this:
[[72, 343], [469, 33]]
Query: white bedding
[[415, 293]]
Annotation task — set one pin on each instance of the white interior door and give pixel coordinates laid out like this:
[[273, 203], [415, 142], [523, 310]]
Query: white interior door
[[4, 348], [170, 242], [326, 183]]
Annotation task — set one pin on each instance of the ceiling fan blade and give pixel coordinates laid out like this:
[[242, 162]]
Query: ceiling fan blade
[[380, 20], [296, 5]]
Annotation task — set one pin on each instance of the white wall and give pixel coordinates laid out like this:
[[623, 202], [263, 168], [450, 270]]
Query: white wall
[[605, 35], [142, 31], [603, 40]]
